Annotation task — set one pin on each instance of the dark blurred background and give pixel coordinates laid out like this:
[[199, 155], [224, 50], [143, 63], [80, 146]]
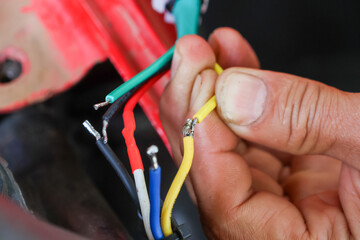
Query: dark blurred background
[[318, 39]]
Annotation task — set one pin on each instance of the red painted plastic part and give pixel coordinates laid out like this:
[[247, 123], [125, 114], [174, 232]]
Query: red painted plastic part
[[128, 32]]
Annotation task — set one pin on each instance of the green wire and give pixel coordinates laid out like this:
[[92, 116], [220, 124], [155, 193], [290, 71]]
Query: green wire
[[187, 13], [141, 76]]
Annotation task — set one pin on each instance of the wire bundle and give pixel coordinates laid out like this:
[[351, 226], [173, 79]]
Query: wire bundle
[[135, 157], [186, 14]]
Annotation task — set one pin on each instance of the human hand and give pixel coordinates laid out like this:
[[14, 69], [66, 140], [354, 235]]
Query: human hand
[[280, 157]]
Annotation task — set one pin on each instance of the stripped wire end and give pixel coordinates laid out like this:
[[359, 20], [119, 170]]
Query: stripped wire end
[[104, 132], [100, 105], [151, 152], [189, 127], [92, 130]]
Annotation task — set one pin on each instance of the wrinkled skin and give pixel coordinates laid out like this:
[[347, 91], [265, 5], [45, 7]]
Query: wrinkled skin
[[278, 159]]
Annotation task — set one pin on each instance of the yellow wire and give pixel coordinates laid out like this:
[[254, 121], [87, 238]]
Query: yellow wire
[[176, 185], [185, 165], [218, 69], [205, 109], [210, 104]]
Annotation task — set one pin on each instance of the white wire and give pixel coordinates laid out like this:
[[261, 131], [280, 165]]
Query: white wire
[[144, 200]]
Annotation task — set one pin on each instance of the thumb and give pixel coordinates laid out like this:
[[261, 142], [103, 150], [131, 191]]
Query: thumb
[[290, 113]]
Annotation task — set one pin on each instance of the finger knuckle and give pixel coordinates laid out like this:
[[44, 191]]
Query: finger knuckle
[[304, 114]]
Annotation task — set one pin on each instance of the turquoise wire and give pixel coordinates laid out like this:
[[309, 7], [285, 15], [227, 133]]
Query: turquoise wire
[[187, 13], [141, 76]]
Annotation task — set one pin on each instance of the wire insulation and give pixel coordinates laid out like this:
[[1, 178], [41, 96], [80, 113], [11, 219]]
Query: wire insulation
[[185, 165], [120, 102], [155, 184], [134, 154], [176, 185], [218, 69], [144, 201], [210, 105], [130, 126], [205, 109], [187, 15], [120, 170], [141, 77]]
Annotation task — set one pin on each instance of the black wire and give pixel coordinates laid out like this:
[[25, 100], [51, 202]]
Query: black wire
[[120, 102], [120, 170], [109, 153], [170, 5]]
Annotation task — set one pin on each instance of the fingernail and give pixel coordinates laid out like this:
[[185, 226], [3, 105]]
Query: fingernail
[[175, 63], [242, 98]]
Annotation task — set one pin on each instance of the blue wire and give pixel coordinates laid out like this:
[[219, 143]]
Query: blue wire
[[155, 183]]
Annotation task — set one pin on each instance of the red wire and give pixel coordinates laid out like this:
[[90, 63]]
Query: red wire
[[130, 125]]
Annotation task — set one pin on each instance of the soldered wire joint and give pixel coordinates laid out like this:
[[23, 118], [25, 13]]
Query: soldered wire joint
[[100, 105], [189, 127], [104, 130]]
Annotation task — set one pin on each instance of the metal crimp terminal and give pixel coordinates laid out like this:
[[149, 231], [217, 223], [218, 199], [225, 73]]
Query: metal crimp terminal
[[151, 152], [92, 130], [189, 127]]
